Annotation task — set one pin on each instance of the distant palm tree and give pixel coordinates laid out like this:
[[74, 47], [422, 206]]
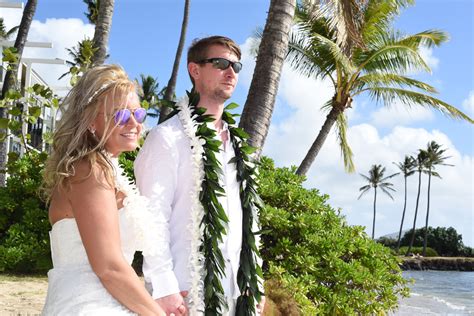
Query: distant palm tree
[[102, 30], [151, 95], [171, 87], [81, 57], [376, 180], [4, 34], [377, 64], [260, 102], [434, 158], [406, 167], [420, 168]]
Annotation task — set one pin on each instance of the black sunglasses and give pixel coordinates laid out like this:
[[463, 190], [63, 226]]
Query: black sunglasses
[[222, 64]]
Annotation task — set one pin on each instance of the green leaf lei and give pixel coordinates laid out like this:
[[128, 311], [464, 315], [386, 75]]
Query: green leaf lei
[[215, 219]]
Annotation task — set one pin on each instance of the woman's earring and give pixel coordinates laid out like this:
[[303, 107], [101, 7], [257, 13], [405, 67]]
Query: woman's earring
[[92, 131]]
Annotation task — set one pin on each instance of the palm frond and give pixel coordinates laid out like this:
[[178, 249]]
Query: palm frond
[[375, 79], [346, 151], [388, 95]]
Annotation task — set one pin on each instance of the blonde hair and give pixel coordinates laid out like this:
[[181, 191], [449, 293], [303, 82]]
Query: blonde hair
[[72, 140]]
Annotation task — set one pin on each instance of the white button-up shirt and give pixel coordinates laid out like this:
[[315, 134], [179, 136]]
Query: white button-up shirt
[[163, 170]]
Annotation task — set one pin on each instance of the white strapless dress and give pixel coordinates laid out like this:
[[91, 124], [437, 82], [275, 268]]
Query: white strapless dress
[[73, 288]]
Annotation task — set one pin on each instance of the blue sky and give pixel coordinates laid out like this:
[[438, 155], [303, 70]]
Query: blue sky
[[144, 37]]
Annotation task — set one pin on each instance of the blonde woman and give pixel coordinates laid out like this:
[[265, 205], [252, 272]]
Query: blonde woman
[[98, 218]]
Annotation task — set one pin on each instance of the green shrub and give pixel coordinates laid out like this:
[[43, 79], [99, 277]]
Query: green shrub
[[446, 241], [430, 252], [325, 265], [24, 225]]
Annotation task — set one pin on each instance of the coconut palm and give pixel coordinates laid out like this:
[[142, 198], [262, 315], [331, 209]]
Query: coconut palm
[[435, 157], [376, 180], [4, 34], [92, 10], [81, 57], [420, 165], [171, 87], [102, 30], [263, 89], [406, 167], [377, 66], [151, 95], [10, 81]]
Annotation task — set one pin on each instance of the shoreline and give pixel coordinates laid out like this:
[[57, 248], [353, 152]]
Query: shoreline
[[465, 264]]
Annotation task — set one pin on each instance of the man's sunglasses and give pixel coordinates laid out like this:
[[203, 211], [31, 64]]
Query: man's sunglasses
[[222, 64], [121, 117]]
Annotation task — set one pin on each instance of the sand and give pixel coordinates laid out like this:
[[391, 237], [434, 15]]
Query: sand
[[22, 295]]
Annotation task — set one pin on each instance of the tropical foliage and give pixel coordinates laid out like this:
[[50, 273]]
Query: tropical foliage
[[376, 64], [24, 224], [312, 257]]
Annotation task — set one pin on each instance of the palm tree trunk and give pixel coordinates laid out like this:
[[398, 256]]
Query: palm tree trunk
[[375, 212], [10, 80], [416, 214], [403, 217], [171, 87], [318, 142], [425, 239], [102, 31], [258, 109]]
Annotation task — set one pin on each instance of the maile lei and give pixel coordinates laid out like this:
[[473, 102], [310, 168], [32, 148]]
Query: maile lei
[[208, 218]]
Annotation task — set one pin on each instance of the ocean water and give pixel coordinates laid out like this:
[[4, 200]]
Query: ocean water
[[438, 293]]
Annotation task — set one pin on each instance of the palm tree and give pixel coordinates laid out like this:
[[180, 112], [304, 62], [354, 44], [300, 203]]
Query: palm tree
[[10, 80], [102, 30], [171, 87], [434, 158], [377, 65], [81, 57], [151, 95], [263, 89], [376, 180], [406, 167], [420, 168], [92, 10], [4, 34], [11, 75]]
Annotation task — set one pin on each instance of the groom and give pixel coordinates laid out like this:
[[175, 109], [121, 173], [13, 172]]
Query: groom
[[186, 168]]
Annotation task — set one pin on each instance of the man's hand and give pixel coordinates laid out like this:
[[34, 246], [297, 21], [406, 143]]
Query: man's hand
[[261, 306], [174, 304]]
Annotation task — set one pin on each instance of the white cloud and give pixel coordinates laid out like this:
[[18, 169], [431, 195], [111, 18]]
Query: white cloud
[[62, 33], [300, 119], [399, 114], [468, 104], [427, 55]]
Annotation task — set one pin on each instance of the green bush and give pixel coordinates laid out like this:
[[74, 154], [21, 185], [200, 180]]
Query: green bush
[[430, 252], [24, 225], [446, 241], [325, 265]]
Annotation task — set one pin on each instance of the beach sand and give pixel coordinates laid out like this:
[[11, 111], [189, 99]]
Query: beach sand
[[22, 295]]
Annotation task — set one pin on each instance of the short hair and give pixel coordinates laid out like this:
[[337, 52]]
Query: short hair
[[198, 49]]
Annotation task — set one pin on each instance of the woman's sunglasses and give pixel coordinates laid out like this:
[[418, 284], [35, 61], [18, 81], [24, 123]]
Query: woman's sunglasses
[[121, 117], [222, 64]]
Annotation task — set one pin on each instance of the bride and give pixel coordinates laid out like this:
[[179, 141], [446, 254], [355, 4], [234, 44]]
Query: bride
[[98, 218]]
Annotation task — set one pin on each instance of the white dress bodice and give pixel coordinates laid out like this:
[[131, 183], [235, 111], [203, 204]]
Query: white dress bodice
[[73, 287]]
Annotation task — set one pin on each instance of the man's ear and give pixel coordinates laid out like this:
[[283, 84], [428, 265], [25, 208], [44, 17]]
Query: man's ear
[[194, 70]]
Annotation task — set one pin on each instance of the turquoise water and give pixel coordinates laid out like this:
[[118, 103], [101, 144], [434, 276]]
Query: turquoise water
[[439, 293]]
